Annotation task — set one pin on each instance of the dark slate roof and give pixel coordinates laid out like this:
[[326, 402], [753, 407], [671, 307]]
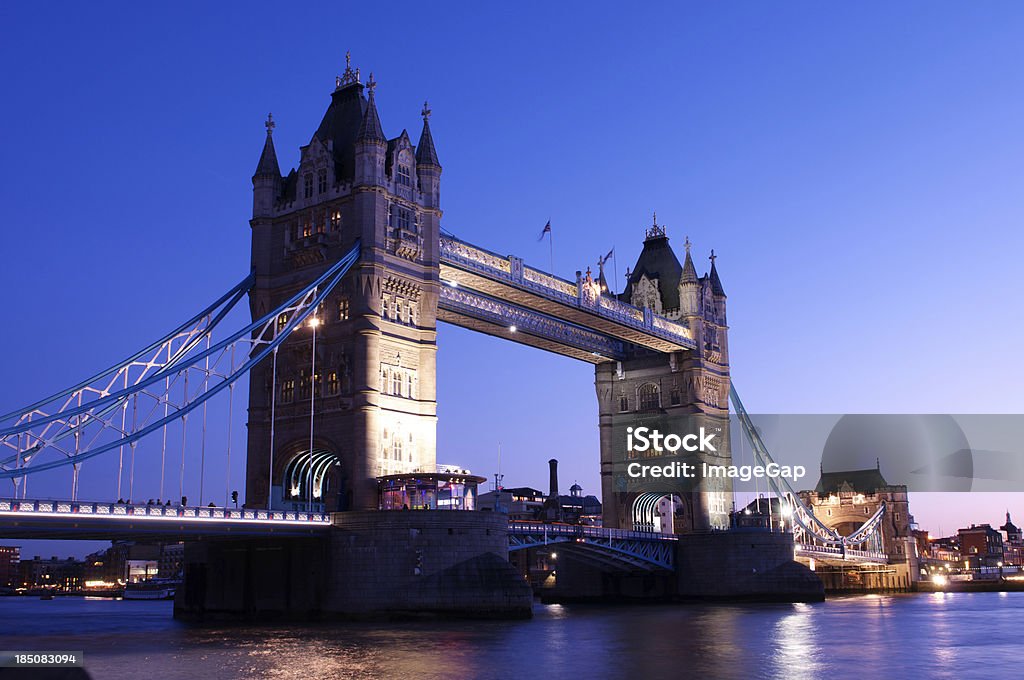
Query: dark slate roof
[[657, 261], [426, 154], [861, 481], [268, 160], [716, 283], [370, 129], [340, 125]]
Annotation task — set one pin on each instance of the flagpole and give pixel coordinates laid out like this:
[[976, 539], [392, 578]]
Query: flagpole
[[615, 263], [551, 247]]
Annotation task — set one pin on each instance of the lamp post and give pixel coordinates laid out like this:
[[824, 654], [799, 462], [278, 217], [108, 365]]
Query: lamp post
[[313, 323]]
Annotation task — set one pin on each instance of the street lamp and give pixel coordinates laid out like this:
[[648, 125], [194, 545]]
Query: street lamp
[[313, 323]]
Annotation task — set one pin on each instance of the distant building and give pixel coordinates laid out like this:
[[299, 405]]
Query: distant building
[[980, 546], [520, 503], [172, 560], [65, 575], [1013, 543], [10, 558]]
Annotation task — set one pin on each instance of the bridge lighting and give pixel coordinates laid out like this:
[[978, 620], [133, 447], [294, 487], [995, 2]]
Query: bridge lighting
[[939, 580], [314, 322], [554, 556], [453, 284], [787, 511], [512, 329]]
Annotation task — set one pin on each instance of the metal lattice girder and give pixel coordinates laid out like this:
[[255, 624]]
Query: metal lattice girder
[[638, 549], [803, 516], [838, 552], [156, 390]]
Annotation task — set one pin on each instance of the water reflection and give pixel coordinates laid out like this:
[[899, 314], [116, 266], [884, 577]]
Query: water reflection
[[888, 636]]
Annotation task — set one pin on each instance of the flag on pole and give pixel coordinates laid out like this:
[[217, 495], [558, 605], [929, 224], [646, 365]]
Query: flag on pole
[[608, 256], [546, 230]]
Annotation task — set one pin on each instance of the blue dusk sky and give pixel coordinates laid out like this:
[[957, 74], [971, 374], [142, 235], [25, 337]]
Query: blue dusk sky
[[857, 168]]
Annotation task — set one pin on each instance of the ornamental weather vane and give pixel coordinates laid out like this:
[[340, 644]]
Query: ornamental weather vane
[[656, 229], [425, 112], [270, 124]]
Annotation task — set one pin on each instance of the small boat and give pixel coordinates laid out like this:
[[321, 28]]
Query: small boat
[[154, 589], [46, 596]]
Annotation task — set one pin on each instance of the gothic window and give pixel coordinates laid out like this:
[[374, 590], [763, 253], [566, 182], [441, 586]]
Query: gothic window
[[335, 219], [398, 309], [412, 313], [396, 383], [332, 382], [648, 397], [404, 177], [384, 380], [343, 309], [319, 222], [282, 321], [307, 184], [396, 447], [410, 447], [623, 403], [404, 218], [385, 305], [321, 182], [307, 226], [317, 384], [288, 391], [408, 393], [303, 385], [675, 397]]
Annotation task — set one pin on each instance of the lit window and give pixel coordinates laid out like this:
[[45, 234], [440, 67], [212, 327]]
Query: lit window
[[288, 391], [319, 223], [307, 226], [282, 321], [332, 382], [648, 397], [321, 182], [303, 385], [335, 219], [343, 309], [307, 183]]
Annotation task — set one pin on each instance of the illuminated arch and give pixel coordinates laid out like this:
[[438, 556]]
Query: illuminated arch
[[297, 474]]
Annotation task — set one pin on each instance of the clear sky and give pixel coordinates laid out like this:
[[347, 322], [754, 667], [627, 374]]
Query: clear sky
[[857, 168]]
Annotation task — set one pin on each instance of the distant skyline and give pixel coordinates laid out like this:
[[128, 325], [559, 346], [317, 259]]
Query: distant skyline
[[857, 170]]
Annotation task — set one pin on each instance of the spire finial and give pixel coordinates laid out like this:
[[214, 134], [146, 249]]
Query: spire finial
[[371, 84], [349, 76], [656, 230], [270, 124], [713, 257], [426, 111], [687, 244]]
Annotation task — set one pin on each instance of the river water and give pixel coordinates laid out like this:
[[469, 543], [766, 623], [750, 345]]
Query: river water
[[958, 635]]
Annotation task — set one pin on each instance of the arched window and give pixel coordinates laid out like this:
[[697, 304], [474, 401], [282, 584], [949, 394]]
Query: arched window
[[648, 397], [396, 447], [384, 380], [623, 403], [408, 389], [396, 383]]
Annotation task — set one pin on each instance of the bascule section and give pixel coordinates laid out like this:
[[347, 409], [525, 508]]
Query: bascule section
[[350, 396]]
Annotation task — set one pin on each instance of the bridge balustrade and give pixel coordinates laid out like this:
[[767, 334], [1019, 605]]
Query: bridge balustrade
[[155, 512]]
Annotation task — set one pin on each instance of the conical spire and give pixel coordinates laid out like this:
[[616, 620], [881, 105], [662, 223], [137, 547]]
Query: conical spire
[[370, 129], [426, 154], [268, 159], [689, 274], [716, 283]]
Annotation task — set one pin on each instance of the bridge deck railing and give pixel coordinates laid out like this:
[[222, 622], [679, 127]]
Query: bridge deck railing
[[810, 549], [579, 531], [156, 512]]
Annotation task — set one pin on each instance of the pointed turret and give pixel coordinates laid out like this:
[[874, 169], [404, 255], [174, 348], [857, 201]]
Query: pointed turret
[[716, 283], [268, 167], [689, 274], [428, 169], [426, 154], [370, 129], [266, 182]]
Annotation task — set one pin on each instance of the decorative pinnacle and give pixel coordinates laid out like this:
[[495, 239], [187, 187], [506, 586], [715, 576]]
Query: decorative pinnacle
[[371, 84], [426, 111], [687, 244], [713, 257], [656, 230], [349, 76], [270, 124]]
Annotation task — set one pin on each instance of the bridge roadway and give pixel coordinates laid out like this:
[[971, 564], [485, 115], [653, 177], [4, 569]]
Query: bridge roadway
[[82, 520]]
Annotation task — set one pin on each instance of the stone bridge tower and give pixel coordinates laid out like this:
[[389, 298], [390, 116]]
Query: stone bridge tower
[[680, 388], [373, 391]]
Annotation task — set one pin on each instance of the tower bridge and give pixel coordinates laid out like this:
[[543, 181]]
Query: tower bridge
[[349, 244]]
